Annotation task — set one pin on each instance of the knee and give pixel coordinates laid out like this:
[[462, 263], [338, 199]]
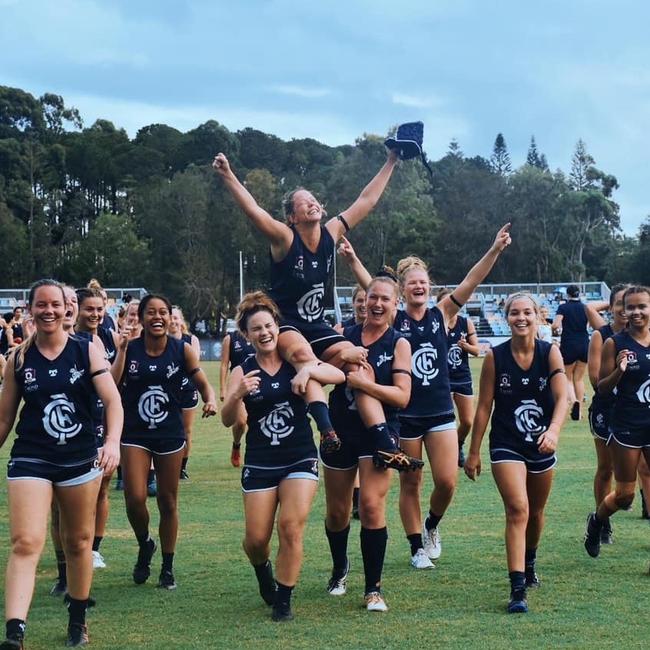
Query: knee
[[135, 502], [166, 504], [77, 543], [517, 513], [254, 543], [290, 532], [371, 512], [338, 515], [25, 545], [604, 473], [446, 487], [410, 483], [624, 499]]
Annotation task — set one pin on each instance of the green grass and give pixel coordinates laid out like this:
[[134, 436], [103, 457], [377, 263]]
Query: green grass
[[461, 603]]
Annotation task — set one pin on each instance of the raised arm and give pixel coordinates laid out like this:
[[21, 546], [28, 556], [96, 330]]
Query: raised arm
[[346, 251], [238, 387], [476, 275], [366, 201], [481, 417], [593, 317], [278, 233]]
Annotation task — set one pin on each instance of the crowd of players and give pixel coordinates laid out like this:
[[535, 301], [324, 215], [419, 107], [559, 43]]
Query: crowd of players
[[96, 394]]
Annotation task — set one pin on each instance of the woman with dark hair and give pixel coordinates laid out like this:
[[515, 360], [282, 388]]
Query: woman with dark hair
[[385, 359], [280, 473], [302, 262], [601, 405], [571, 320], [149, 371], [54, 455], [523, 386], [625, 369]]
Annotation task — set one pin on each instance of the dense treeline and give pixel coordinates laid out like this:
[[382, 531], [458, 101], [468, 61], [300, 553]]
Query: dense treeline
[[76, 202]]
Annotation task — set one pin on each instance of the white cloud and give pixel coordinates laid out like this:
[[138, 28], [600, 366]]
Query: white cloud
[[301, 91], [415, 101]]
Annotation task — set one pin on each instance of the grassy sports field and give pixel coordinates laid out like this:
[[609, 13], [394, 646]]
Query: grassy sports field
[[582, 602]]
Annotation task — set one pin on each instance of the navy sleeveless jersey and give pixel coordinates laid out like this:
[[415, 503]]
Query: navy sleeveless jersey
[[599, 401], [151, 390], [430, 391], [574, 322], [457, 358], [98, 405], [523, 400], [631, 408], [298, 282], [349, 322], [381, 354], [279, 433], [107, 322], [240, 349], [187, 384], [106, 337], [55, 424]]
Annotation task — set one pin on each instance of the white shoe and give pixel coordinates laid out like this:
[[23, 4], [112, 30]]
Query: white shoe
[[338, 586], [98, 560], [375, 602], [431, 542], [421, 560]]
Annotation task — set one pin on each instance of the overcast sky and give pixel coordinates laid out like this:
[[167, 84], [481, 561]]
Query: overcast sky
[[333, 70]]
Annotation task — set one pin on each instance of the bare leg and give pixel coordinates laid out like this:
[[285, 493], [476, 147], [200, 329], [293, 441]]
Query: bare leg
[[168, 467]]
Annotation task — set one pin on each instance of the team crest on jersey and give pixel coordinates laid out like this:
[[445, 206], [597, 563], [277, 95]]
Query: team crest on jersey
[[455, 356], [383, 358], [172, 369], [133, 367], [53, 372], [237, 345], [435, 326], [151, 406], [76, 374], [542, 383], [58, 419], [643, 394], [275, 384], [527, 416], [30, 375], [277, 424], [299, 267], [632, 358], [424, 363], [310, 306], [314, 264], [504, 380], [405, 326]]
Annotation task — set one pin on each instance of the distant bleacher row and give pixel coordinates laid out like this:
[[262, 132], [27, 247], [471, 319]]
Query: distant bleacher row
[[485, 306]]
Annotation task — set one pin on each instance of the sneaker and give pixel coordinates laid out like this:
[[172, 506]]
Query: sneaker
[[518, 603], [532, 579], [461, 455], [396, 459], [281, 613], [98, 560], [575, 411], [59, 588], [592, 535], [142, 568], [432, 542], [184, 475], [152, 488], [235, 455], [77, 635], [606, 536], [119, 484], [329, 442], [266, 583], [375, 602], [166, 580], [11, 644], [338, 586], [421, 560]]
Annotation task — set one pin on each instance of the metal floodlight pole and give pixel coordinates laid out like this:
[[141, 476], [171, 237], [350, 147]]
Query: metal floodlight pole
[[241, 276]]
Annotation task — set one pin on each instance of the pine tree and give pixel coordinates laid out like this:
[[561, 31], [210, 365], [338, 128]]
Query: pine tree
[[581, 163], [455, 150], [500, 159], [533, 159]]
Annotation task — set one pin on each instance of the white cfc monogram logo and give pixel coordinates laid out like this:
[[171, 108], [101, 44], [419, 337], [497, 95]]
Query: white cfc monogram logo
[[643, 394], [526, 418], [58, 419], [455, 356], [310, 306], [276, 424], [150, 406], [424, 363]]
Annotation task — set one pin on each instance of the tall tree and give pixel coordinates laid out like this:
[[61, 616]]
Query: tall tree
[[500, 158]]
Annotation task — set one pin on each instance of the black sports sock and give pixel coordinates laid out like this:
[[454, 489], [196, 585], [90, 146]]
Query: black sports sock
[[77, 610], [531, 556], [282, 595], [15, 628], [381, 438], [415, 540], [96, 542], [143, 539], [338, 541], [167, 561], [321, 415], [373, 551], [264, 570], [432, 520], [119, 472], [517, 581], [184, 464], [355, 498], [61, 566]]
